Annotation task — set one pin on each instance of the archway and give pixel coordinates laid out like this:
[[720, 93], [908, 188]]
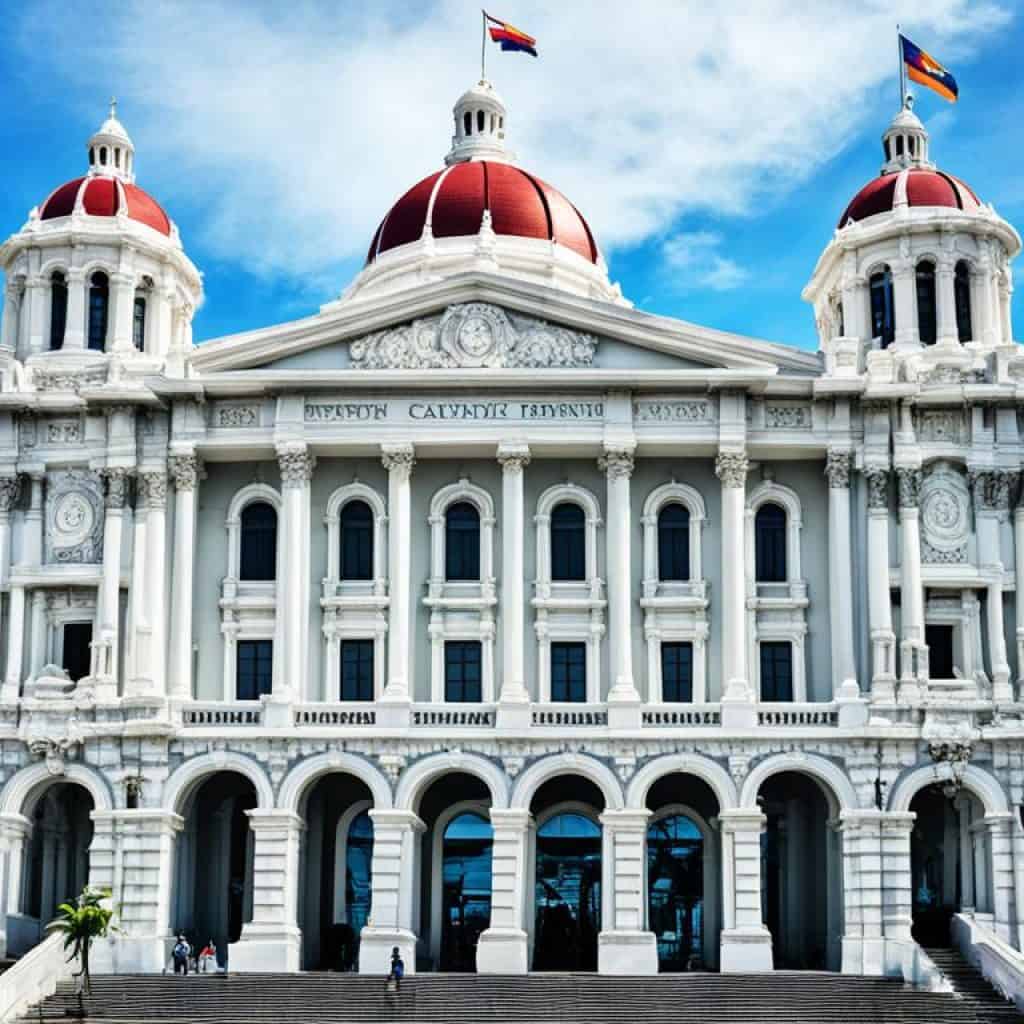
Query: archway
[[683, 890], [335, 877], [455, 870], [800, 876], [950, 861], [56, 864], [214, 862], [568, 874]]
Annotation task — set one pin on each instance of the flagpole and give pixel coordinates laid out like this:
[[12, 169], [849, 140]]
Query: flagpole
[[483, 45], [899, 47]]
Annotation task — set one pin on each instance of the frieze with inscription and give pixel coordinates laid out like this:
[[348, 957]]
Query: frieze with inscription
[[426, 410], [684, 410]]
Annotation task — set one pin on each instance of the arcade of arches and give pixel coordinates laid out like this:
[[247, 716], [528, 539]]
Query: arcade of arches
[[562, 874]]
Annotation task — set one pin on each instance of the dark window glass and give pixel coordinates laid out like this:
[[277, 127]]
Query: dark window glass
[[899, 145], [770, 544], [467, 123], [357, 670], [254, 666], [962, 296], [940, 651], [77, 652], [99, 308], [462, 542], [259, 542], [927, 317], [479, 120], [357, 541], [883, 321], [58, 310], [776, 670], [677, 671], [569, 672], [568, 543], [462, 672], [674, 543], [139, 323]]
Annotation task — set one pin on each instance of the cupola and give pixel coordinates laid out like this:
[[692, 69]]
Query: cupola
[[111, 152], [479, 126]]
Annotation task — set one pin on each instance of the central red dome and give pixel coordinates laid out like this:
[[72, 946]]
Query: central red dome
[[452, 204], [103, 196], [917, 186]]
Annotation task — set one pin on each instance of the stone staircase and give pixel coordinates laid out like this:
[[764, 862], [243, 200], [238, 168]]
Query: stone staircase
[[805, 997], [970, 985]]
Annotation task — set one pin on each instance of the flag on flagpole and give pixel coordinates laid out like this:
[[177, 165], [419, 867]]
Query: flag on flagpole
[[510, 37], [927, 71]]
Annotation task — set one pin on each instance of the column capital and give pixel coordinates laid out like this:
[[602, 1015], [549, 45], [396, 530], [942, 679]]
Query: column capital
[[144, 819], [275, 820], [732, 468], [838, 466], [617, 461], [116, 478], [991, 488], [909, 480], [392, 818], [153, 487], [10, 491], [296, 465], [398, 458], [514, 456], [877, 478], [185, 470]]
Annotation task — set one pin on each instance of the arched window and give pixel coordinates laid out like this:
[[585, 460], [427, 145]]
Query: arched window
[[883, 321], [259, 542], [139, 323], [568, 543], [962, 299], [357, 541], [99, 308], [770, 544], [927, 317], [117, 156], [358, 873], [462, 542], [674, 542], [467, 123], [103, 155], [479, 120], [92, 154], [58, 309]]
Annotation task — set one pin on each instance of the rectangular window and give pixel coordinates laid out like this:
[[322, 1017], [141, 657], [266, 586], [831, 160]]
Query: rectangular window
[[677, 671], [940, 651], [462, 671], [254, 668], [139, 324], [357, 669], [569, 672], [776, 670], [77, 660]]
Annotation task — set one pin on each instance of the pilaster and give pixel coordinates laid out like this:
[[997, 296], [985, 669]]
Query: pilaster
[[746, 942], [913, 654], [503, 947], [185, 472], [838, 467]]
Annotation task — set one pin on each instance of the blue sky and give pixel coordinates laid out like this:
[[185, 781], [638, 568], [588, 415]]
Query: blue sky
[[712, 152]]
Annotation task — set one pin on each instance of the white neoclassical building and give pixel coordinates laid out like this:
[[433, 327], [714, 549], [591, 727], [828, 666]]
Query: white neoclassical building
[[485, 616]]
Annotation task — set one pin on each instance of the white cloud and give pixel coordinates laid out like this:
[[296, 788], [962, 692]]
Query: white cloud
[[293, 128], [693, 260]]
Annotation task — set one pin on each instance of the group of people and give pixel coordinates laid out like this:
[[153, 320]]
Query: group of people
[[182, 955]]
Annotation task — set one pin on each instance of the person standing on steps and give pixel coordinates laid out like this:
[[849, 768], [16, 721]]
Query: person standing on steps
[[180, 954], [397, 970]]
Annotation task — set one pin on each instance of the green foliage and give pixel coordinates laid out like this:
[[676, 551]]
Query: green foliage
[[82, 922]]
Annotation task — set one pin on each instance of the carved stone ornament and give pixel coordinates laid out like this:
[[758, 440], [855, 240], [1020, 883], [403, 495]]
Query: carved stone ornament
[[514, 460], [10, 491], [67, 380], [398, 458], [909, 487], [945, 514], [878, 486], [154, 489], [74, 518], [297, 466], [787, 417], [117, 486], [685, 410], [837, 468], [941, 425], [991, 489], [732, 468], [234, 416], [473, 335], [184, 470], [616, 463]]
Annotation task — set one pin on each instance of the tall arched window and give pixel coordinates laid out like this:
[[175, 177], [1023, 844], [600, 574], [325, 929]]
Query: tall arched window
[[962, 299], [568, 543], [883, 321], [467, 123], [770, 544], [139, 323], [674, 542], [357, 541], [99, 308], [462, 542], [58, 309], [258, 559], [927, 315]]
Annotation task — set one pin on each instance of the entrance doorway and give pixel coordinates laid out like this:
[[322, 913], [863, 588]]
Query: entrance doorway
[[675, 891], [466, 898]]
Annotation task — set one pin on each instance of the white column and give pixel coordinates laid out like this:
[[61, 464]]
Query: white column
[[514, 700], [746, 942], [883, 640], [840, 564], [863, 941], [185, 471], [110, 591], [395, 835], [991, 490], [151, 630], [623, 699], [37, 646], [503, 947], [272, 941], [897, 879], [32, 535], [627, 947], [15, 830], [122, 295], [906, 336], [15, 643], [9, 325], [911, 590], [30, 331], [74, 332], [399, 460], [1001, 843], [10, 491], [297, 466], [731, 468], [1018, 548], [946, 332]]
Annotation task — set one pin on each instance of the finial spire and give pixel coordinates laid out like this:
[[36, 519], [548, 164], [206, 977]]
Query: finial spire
[[113, 108]]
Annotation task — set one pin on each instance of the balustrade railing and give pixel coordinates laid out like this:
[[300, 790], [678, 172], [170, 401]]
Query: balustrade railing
[[430, 716], [675, 715], [797, 714], [570, 715], [219, 714], [350, 713]]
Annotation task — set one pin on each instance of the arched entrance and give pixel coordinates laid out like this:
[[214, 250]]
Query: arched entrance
[[455, 875], [335, 880], [56, 864], [950, 859], [800, 876], [213, 866], [567, 875]]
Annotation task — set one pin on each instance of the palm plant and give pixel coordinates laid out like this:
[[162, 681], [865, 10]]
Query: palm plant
[[81, 922]]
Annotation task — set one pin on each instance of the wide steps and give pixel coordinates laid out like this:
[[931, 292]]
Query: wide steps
[[969, 983], [807, 997]]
